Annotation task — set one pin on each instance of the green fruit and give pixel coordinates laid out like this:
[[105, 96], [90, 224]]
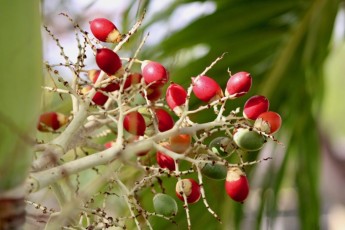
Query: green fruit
[[222, 146], [248, 139], [164, 205], [216, 171]]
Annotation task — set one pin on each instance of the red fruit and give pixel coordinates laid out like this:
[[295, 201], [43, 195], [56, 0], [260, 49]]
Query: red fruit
[[190, 188], [134, 123], [93, 75], [154, 72], [180, 143], [236, 184], [111, 87], [175, 97], [132, 79], [254, 106], [104, 30], [238, 84], [109, 144], [268, 122], [108, 61], [164, 161], [99, 98], [165, 121], [154, 92], [206, 89], [51, 121]]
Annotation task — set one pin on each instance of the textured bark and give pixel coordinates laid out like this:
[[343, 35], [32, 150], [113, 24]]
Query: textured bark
[[12, 213]]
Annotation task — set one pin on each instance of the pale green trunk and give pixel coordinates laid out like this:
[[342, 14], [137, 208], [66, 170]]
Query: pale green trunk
[[20, 81]]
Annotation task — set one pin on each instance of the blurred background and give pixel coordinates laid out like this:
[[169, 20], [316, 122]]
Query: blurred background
[[295, 52]]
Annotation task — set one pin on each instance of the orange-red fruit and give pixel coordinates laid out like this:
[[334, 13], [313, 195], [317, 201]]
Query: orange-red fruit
[[190, 188], [175, 97], [51, 121], [165, 121], [180, 143], [154, 72], [134, 123], [108, 61], [104, 30], [206, 89], [255, 106], [268, 122], [164, 161], [239, 84], [236, 184]]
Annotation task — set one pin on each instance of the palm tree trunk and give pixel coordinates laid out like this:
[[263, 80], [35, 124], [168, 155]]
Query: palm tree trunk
[[21, 76]]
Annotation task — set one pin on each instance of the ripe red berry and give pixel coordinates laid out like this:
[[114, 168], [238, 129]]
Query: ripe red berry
[[254, 106], [109, 144], [236, 184], [108, 61], [132, 79], [154, 72], [111, 87], [104, 30], [165, 161], [180, 143], [238, 84], [206, 89], [175, 97], [154, 92], [190, 188], [134, 123], [165, 121], [93, 75], [99, 98], [268, 122], [51, 121]]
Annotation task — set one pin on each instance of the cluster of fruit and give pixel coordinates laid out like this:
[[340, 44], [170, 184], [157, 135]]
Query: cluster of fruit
[[248, 133]]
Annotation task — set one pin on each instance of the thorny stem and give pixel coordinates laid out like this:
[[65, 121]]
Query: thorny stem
[[41, 179], [204, 196], [190, 88], [125, 190], [185, 205]]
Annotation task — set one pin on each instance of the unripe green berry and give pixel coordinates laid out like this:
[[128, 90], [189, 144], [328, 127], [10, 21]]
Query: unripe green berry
[[165, 205], [222, 146], [212, 171], [248, 139]]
